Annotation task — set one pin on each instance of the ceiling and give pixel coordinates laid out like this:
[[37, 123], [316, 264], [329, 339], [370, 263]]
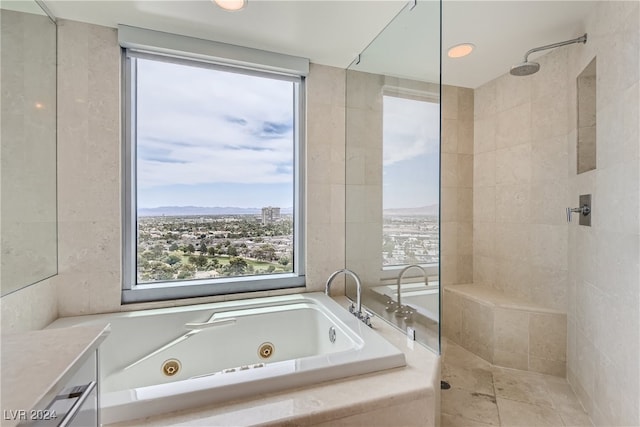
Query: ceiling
[[334, 32]]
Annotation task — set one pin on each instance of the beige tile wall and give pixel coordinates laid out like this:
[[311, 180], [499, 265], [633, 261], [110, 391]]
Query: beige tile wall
[[30, 308], [457, 195], [325, 208], [520, 184], [89, 216], [604, 275]]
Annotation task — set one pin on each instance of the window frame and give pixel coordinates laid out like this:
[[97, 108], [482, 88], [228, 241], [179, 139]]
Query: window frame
[[132, 292], [391, 272]]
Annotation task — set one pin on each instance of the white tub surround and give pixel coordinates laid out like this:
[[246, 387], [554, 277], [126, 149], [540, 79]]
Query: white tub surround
[[407, 396], [217, 348], [37, 365]]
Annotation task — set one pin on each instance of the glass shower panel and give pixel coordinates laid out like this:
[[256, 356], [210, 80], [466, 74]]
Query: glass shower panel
[[392, 172]]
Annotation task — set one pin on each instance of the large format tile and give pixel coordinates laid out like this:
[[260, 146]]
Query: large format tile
[[455, 355], [472, 379], [448, 420], [472, 405], [514, 413], [521, 386]]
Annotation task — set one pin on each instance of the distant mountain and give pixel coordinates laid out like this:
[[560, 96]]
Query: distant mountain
[[202, 210], [431, 210]]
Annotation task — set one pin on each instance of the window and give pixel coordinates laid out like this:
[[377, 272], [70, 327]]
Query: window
[[411, 182], [213, 179]]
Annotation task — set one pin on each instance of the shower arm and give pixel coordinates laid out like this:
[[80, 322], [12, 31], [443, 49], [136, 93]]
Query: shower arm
[[581, 39]]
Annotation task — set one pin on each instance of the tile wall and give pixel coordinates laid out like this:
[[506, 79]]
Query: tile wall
[[604, 273], [456, 223], [520, 183]]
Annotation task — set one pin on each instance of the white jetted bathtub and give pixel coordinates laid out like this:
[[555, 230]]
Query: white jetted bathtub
[[162, 360]]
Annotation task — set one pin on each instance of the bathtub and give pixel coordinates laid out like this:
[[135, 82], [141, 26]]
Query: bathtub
[[163, 360]]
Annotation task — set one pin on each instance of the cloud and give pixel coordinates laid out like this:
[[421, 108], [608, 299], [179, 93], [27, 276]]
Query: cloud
[[410, 129], [198, 125]]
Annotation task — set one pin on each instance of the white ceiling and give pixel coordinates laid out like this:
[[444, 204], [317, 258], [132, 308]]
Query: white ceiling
[[333, 32]]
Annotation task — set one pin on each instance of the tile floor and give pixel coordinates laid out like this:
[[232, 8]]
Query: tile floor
[[485, 395]]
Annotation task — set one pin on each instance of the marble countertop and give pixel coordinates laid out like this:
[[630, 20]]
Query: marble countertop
[[323, 402], [36, 364]]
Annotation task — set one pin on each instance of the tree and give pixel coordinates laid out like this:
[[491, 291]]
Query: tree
[[284, 261], [200, 261], [172, 259], [203, 249], [189, 249], [173, 247], [271, 268], [237, 266], [211, 250], [232, 251]]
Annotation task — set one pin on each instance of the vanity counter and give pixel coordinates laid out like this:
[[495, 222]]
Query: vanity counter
[[37, 364]]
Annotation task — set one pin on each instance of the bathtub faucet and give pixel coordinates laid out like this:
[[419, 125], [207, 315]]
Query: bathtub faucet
[[357, 309], [406, 311]]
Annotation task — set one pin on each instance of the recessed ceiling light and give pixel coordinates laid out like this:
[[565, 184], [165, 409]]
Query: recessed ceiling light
[[460, 50], [231, 5]]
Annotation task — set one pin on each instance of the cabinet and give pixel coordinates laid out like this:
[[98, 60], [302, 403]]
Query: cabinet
[[76, 404], [50, 377]]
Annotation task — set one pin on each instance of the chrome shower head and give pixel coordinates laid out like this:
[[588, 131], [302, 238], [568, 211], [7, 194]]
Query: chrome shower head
[[525, 69]]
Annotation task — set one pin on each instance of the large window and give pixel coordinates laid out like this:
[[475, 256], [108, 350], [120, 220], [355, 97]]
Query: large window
[[410, 181], [213, 179]]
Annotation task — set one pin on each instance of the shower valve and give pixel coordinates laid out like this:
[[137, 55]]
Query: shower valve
[[584, 210]]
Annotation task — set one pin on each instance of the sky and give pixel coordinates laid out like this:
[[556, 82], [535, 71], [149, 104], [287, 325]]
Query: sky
[[410, 155], [211, 138]]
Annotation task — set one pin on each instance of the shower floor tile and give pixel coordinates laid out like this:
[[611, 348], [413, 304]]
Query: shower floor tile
[[482, 394]]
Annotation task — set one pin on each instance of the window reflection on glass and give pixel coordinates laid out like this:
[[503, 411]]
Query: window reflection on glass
[[410, 181]]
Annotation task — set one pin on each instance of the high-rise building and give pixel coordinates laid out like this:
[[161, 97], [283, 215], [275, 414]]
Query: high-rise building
[[270, 215]]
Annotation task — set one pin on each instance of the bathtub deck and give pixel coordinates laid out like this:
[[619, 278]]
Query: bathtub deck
[[400, 396]]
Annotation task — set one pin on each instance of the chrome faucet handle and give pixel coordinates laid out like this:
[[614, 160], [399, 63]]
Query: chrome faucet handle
[[366, 317], [352, 308], [584, 210]]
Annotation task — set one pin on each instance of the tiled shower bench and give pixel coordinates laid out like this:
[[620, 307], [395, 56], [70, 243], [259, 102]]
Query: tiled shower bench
[[505, 330]]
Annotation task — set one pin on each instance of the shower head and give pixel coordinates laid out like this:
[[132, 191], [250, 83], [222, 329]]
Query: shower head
[[528, 67], [525, 69]]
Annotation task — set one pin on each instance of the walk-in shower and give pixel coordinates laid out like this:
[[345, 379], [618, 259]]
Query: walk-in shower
[[527, 68]]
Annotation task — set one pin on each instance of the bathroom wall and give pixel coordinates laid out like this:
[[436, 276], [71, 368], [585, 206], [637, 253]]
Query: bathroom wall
[[30, 308], [364, 171], [525, 176], [89, 157], [28, 49], [520, 183], [456, 226], [604, 276]]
